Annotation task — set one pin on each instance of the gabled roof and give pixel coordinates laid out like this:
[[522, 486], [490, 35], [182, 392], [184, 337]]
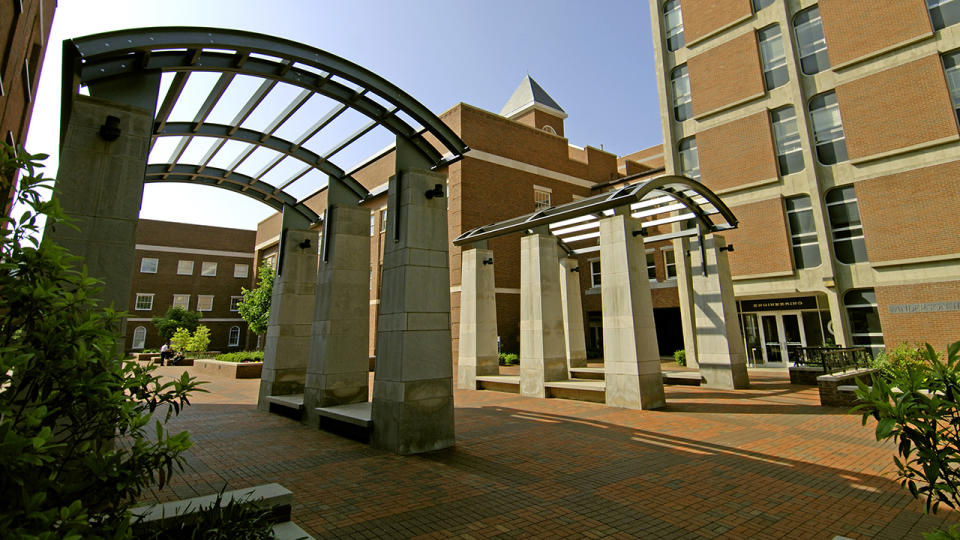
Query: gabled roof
[[531, 95]]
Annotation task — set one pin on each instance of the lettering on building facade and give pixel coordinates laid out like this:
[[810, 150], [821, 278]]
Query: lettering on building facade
[[928, 307]]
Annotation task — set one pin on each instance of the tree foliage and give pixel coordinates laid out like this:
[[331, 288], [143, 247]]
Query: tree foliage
[[176, 317], [918, 405], [255, 306], [74, 445]]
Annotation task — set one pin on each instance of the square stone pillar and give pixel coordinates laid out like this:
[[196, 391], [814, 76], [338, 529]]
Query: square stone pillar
[[720, 349], [339, 368], [572, 307], [630, 354], [478, 319], [681, 249], [287, 345], [543, 355], [412, 409]]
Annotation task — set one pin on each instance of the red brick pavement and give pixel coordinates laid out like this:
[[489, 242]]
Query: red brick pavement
[[767, 462]]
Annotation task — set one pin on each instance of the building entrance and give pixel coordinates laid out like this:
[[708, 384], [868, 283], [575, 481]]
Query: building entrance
[[781, 334], [774, 330]]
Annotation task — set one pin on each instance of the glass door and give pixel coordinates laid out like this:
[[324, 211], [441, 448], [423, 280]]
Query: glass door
[[782, 336], [772, 351], [792, 334]]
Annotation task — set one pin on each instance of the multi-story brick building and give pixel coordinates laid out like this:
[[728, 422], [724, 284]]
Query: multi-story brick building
[[24, 30], [832, 134], [198, 268]]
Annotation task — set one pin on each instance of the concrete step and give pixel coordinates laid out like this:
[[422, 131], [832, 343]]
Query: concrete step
[[579, 390], [499, 383], [288, 401], [358, 414], [683, 378], [588, 373]]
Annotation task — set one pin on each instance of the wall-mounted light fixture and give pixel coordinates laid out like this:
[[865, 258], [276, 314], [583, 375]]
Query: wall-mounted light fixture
[[488, 260], [728, 247], [640, 232], [110, 130], [305, 244], [575, 269], [437, 191]]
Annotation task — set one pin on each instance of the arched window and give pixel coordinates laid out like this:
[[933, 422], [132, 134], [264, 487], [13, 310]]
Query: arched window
[[673, 24], [549, 129], [864, 319], [689, 159], [680, 81], [234, 336], [139, 337]]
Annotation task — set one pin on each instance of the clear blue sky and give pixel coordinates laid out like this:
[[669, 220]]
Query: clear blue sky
[[594, 58]]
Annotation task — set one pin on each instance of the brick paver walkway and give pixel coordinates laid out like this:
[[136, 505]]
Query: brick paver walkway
[[768, 462]]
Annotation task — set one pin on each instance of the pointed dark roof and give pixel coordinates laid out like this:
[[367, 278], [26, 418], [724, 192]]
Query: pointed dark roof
[[530, 95]]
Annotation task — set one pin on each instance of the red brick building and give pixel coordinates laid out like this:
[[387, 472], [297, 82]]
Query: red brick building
[[198, 268]]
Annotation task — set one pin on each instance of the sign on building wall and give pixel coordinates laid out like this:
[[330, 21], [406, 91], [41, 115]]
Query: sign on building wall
[[779, 304], [928, 307]]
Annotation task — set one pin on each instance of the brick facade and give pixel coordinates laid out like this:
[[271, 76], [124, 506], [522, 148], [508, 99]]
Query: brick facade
[[937, 328], [857, 29], [737, 153], [761, 243], [701, 17], [726, 74]]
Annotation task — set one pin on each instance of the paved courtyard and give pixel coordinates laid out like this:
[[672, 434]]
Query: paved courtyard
[[768, 462]]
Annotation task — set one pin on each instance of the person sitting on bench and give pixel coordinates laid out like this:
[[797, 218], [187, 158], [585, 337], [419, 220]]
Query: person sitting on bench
[[166, 353]]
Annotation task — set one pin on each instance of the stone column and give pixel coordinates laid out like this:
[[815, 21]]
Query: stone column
[[287, 344], [630, 355], [412, 409], [543, 354], [338, 372], [478, 319], [573, 333], [681, 247], [723, 362]]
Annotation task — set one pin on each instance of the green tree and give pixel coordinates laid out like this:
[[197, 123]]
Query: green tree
[[255, 306], [200, 340], [66, 397], [181, 340], [176, 317]]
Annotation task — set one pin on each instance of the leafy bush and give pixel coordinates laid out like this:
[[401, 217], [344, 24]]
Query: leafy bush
[[899, 360], [237, 519], [919, 407], [66, 396], [680, 357], [243, 356], [181, 339], [255, 306], [509, 359], [200, 340], [176, 318]]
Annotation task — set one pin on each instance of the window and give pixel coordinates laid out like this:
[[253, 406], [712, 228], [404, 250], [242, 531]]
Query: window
[[760, 4], [234, 302], [848, 244], [786, 137], [773, 57], [549, 129], [803, 232], [951, 68], [205, 302], [944, 13], [185, 268], [864, 317], [144, 302], [680, 81], [673, 24], [595, 273], [181, 301], [651, 266], [670, 263], [139, 337], [828, 129], [208, 269], [541, 198], [149, 265], [373, 222], [811, 42], [689, 160], [241, 270], [234, 339], [383, 221], [271, 261]]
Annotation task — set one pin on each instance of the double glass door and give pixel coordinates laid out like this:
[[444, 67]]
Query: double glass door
[[780, 334]]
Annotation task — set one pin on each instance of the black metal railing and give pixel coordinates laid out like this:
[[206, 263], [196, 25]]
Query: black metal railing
[[831, 359]]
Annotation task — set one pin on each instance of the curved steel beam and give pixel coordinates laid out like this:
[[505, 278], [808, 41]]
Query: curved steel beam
[[212, 176], [135, 48]]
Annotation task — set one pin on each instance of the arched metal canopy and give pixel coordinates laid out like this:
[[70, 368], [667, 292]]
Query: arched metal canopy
[[129, 62], [658, 201]]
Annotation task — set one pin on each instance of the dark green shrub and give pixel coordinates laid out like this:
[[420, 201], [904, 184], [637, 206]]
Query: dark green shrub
[[899, 360], [243, 356], [509, 359], [237, 519], [680, 357]]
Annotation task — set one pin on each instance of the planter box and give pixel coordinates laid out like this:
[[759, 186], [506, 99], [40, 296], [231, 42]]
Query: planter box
[[837, 389], [233, 370]]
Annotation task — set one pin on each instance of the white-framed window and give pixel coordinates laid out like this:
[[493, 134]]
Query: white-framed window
[[241, 270], [689, 158], [234, 339], [651, 265], [673, 24], [139, 337], [234, 302], [373, 222], [803, 232], [844, 212], [951, 69], [541, 198], [828, 128], [943, 13], [682, 103], [786, 137], [549, 129], [181, 301], [773, 57], [271, 261], [184, 267], [208, 269], [144, 302], [595, 273], [864, 317], [383, 220], [811, 43], [148, 265], [669, 263], [204, 302]]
